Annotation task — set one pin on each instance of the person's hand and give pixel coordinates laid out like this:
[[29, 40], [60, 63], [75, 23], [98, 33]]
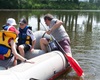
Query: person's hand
[[28, 61], [49, 31], [69, 54], [32, 49]]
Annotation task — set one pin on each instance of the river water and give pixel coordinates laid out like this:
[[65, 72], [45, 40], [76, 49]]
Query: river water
[[83, 28]]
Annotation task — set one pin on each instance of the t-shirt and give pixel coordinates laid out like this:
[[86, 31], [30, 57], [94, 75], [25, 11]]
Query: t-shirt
[[12, 28], [30, 33], [59, 33]]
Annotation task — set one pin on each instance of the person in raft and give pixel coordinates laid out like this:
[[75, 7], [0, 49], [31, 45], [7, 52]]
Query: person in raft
[[26, 38], [56, 29], [8, 52], [10, 25]]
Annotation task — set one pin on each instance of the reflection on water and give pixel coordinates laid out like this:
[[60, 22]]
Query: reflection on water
[[86, 51], [84, 31]]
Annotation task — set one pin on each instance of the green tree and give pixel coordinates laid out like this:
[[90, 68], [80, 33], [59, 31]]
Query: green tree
[[91, 1], [8, 4]]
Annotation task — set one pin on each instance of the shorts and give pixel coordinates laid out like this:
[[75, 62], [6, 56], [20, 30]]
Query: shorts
[[26, 47], [65, 44]]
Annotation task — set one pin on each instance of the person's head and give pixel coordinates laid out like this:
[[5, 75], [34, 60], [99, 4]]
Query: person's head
[[23, 23], [11, 22], [47, 19]]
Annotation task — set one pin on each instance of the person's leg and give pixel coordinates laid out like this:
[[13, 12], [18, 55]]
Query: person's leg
[[65, 44], [26, 47], [21, 50], [43, 43], [15, 61]]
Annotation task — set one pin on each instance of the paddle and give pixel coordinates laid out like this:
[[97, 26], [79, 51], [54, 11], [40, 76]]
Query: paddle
[[71, 60]]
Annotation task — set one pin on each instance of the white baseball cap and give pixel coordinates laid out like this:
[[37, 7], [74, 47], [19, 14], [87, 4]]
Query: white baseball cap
[[11, 21]]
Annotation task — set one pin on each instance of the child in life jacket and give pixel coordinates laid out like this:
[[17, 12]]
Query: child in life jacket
[[26, 38]]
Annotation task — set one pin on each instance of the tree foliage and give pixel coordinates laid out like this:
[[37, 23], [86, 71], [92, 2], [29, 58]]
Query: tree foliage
[[44, 4]]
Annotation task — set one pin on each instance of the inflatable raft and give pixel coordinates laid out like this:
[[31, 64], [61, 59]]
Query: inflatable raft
[[47, 66]]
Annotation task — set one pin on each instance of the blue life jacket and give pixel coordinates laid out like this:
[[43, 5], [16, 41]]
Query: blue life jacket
[[5, 27], [23, 37]]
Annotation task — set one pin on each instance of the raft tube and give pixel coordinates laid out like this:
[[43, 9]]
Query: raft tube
[[44, 68]]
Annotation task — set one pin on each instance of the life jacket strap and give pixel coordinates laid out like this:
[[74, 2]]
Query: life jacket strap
[[3, 36]]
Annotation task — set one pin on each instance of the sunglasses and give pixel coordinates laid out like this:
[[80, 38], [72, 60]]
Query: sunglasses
[[21, 24]]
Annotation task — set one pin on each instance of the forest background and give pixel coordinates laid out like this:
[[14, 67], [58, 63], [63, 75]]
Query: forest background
[[51, 4]]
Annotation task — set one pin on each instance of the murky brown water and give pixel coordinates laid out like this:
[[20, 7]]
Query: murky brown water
[[83, 28]]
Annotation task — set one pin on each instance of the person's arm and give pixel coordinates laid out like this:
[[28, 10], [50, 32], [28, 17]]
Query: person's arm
[[18, 56], [33, 44], [30, 33], [15, 52], [55, 26]]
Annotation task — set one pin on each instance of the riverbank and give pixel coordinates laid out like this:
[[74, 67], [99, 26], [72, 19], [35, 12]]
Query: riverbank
[[48, 10]]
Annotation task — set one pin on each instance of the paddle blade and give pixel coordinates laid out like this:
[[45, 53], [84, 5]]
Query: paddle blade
[[75, 65]]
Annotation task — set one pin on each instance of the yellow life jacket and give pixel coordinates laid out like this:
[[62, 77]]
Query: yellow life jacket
[[5, 36], [28, 40]]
